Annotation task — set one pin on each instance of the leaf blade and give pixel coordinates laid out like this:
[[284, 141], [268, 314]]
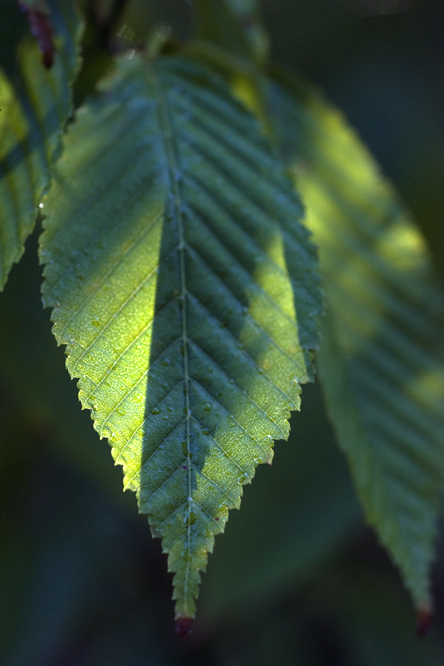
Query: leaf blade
[[381, 362], [184, 335]]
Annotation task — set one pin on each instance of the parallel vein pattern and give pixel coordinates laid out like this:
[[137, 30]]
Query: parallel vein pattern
[[185, 289], [35, 104], [381, 361]]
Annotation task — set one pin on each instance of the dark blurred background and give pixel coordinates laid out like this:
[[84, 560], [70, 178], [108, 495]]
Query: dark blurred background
[[297, 578]]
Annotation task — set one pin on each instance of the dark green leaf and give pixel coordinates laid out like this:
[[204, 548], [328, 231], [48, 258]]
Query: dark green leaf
[[35, 103]]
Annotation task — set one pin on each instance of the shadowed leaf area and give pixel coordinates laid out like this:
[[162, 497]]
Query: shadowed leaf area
[[185, 289], [381, 362]]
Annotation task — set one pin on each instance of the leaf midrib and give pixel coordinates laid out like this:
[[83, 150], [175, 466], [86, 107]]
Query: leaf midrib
[[166, 126]]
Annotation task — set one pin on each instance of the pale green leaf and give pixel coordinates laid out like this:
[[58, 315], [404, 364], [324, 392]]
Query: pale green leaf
[[381, 361], [35, 103], [186, 291]]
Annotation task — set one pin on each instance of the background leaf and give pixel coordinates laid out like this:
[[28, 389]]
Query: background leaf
[[35, 103], [381, 361], [186, 291]]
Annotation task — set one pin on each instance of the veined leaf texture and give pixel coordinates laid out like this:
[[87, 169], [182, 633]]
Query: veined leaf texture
[[381, 361], [35, 103], [186, 291]]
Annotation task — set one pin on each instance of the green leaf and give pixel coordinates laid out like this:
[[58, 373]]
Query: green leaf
[[381, 361], [186, 291], [34, 105]]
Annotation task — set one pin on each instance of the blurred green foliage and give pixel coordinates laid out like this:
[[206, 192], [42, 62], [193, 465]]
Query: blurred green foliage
[[81, 581]]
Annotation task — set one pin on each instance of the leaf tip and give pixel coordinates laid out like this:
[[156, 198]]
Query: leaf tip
[[424, 618], [184, 626]]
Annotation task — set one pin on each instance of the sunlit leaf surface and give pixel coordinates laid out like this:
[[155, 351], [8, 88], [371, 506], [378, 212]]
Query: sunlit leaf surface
[[381, 360], [186, 291], [34, 105]]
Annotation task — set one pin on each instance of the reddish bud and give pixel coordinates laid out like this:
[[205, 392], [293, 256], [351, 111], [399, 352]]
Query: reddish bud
[[424, 617], [184, 625], [41, 28]]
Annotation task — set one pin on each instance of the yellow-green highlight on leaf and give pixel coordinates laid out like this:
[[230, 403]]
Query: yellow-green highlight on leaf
[[34, 105], [186, 291], [381, 361]]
